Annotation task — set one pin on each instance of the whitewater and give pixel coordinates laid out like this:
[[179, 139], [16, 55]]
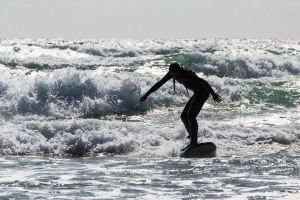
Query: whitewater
[[72, 126]]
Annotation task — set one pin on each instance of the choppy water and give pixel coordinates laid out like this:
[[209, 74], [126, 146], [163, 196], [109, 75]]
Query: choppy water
[[60, 99]]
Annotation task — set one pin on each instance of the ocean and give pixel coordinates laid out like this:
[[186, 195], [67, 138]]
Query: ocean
[[72, 126]]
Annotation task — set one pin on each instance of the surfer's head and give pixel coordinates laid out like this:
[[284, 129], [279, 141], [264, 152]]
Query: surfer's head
[[175, 70]]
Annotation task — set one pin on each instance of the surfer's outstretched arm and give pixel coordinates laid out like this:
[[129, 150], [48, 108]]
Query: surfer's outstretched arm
[[156, 86]]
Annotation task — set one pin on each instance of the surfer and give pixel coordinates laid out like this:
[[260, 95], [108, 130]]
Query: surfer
[[201, 90]]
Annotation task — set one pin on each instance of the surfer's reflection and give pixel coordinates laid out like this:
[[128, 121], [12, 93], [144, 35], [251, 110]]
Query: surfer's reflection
[[201, 90]]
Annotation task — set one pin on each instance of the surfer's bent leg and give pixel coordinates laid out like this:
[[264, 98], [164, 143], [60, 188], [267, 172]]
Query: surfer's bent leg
[[190, 112], [184, 114]]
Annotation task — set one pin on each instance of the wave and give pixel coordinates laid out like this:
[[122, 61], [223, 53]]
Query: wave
[[68, 93], [232, 58], [239, 66], [92, 136], [77, 137], [38, 58], [82, 96], [88, 54]]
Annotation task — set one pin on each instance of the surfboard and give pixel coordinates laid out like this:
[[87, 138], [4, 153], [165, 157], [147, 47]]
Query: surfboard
[[201, 150]]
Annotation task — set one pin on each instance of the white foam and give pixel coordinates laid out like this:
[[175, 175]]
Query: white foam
[[132, 138], [69, 93]]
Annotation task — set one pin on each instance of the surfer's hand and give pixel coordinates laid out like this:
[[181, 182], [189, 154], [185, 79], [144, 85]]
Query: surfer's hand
[[216, 97], [144, 98]]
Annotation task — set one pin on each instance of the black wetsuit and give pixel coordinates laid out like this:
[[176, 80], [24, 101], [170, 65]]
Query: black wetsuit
[[201, 90]]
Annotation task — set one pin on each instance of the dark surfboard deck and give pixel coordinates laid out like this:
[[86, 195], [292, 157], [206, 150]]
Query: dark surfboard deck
[[201, 150]]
